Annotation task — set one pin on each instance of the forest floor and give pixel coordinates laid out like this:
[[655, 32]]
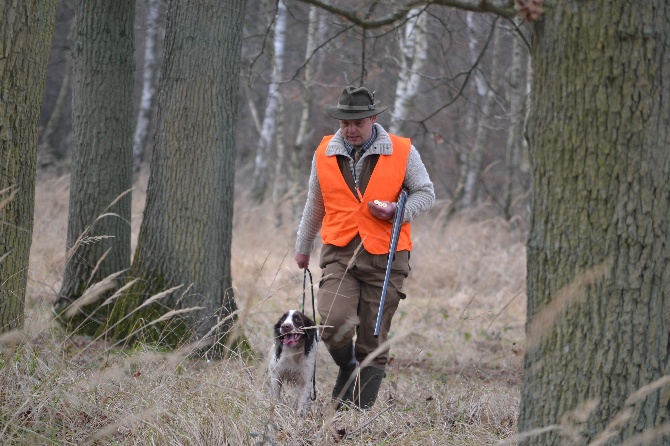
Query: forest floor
[[454, 376]]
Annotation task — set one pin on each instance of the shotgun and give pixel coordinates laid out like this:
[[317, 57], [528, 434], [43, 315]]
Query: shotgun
[[395, 233]]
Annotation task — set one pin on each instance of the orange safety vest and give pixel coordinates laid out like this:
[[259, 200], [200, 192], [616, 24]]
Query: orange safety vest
[[346, 216]]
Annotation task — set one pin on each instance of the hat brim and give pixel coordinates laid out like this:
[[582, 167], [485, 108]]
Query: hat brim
[[344, 115]]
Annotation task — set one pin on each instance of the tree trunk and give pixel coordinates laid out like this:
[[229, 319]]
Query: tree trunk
[[483, 93], [474, 159], [186, 234], [413, 56], [259, 181], [517, 92], [51, 151], [152, 56], [477, 90], [295, 179], [27, 28], [98, 236], [599, 242], [280, 186]]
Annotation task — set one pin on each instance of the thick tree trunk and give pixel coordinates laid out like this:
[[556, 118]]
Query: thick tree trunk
[[98, 236], [27, 27], [186, 234], [599, 242]]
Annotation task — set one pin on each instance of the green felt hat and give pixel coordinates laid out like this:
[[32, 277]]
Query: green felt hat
[[355, 103]]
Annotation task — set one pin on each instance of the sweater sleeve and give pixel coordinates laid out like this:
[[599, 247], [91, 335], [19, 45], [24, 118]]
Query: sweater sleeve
[[312, 215], [420, 191]]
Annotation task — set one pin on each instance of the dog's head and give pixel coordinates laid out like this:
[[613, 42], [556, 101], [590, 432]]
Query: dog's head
[[295, 330]]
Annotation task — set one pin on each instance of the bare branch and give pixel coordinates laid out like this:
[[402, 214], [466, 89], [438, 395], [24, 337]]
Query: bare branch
[[468, 74], [503, 8], [362, 22]]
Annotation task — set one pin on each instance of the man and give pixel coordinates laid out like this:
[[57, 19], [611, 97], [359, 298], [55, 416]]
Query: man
[[357, 175]]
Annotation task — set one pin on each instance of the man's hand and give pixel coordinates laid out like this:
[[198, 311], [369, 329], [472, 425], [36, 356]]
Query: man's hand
[[302, 260], [383, 210]]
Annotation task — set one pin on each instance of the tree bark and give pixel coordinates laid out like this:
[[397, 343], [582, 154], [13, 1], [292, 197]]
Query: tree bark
[[27, 27], [98, 236], [599, 242], [186, 234]]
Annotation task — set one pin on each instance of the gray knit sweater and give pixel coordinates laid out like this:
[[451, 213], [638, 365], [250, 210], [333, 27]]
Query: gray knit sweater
[[420, 192]]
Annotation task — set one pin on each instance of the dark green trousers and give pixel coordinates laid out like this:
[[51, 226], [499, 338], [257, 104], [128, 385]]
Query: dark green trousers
[[349, 294]]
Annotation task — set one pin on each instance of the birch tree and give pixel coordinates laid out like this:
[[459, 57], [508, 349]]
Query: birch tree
[[150, 74], [279, 187], [27, 28], [98, 236], [413, 55], [305, 116], [469, 157], [181, 270], [259, 181], [487, 94]]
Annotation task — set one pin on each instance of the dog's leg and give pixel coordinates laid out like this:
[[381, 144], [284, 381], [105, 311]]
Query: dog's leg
[[302, 401]]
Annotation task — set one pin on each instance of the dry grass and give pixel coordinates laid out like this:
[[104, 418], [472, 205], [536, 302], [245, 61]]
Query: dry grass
[[454, 378]]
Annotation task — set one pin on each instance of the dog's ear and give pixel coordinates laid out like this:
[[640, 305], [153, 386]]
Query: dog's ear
[[277, 337], [305, 320], [279, 346]]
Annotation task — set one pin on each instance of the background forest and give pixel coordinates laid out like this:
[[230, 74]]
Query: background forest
[[455, 81], [441, 72], [174, 144]]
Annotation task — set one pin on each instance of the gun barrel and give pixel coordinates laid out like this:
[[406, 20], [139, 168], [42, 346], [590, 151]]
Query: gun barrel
[[393, 244]]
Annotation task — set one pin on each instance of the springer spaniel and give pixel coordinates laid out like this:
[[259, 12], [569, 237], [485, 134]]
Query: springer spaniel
[[293, 357]]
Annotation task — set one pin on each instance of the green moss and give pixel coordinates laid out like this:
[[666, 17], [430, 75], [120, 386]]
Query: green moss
[[88, 320]]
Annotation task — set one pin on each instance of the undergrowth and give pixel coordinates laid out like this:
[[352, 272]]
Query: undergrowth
[[453, 379]]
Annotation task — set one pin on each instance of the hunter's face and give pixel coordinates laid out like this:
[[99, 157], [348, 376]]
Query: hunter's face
[[358, 131]]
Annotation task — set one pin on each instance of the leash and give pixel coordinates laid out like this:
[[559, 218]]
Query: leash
[[311, 285], [304, 287]]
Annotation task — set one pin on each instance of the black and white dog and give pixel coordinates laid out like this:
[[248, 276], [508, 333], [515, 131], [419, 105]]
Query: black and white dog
[[293, 357]]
